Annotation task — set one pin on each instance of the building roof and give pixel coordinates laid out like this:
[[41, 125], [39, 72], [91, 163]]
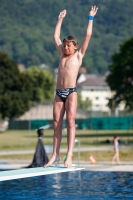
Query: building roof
[[93, 81]]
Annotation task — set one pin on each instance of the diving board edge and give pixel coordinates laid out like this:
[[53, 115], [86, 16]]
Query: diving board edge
[[12, 177]]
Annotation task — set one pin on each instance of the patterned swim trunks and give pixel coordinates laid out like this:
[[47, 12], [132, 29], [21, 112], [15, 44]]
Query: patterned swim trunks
[[64, 93]]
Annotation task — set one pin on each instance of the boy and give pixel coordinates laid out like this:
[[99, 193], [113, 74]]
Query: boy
[[66, 93]]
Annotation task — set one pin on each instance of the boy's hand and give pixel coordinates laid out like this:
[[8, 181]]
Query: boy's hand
[[62, 14], [93, 11]]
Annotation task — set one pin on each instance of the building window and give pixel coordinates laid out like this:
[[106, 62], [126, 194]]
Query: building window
[[97, 97]]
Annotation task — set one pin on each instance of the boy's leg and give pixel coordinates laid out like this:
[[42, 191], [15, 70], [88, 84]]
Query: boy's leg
[[70, 107], [58, 113]]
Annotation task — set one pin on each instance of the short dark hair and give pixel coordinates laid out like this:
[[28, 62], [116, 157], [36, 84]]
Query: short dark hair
[[71, 39], [115, 136]]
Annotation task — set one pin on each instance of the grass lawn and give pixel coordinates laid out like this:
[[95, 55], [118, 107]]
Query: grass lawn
[[27, 140]]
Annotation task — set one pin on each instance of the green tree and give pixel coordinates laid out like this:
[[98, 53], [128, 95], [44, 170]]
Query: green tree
[[85, 105], [42, 82], [120, 78], [15, 89], [31, 26]]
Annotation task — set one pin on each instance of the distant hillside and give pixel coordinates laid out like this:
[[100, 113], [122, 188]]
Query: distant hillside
[[26, 29]]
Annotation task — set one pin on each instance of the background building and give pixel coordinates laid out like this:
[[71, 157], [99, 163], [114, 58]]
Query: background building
[[96, 89]]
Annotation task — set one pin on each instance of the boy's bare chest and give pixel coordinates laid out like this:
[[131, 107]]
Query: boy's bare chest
[[69, 62]]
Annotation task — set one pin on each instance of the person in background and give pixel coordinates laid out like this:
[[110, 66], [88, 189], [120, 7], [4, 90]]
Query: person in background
[[116, 150]]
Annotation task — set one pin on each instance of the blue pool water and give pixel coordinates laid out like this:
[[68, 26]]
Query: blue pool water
[[79, 185]]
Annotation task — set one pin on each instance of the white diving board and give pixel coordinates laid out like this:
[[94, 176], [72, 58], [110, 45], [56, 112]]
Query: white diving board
[[39, 171]]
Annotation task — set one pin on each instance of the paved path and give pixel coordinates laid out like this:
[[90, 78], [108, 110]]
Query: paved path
[[63, 150]]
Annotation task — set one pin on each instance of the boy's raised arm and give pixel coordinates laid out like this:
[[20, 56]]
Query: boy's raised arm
[[87, 37], [57, 39]]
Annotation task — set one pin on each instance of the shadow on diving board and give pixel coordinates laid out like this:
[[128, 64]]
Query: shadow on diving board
[[39, 171]]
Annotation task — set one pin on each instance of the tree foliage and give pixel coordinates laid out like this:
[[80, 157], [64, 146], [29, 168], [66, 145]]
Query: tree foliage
[[120, 78], [42, 83], [26, 30], [15, 89], [19, 90]]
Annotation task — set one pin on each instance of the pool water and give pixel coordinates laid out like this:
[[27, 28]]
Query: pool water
[[79, 185]]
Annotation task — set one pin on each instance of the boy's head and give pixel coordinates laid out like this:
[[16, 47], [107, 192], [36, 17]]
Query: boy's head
[[70, 44]]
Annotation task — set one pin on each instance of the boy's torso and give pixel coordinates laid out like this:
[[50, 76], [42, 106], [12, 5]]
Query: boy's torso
[[68, 71]]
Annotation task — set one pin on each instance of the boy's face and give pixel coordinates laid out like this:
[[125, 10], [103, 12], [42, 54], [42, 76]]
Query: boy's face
[[69, 48]]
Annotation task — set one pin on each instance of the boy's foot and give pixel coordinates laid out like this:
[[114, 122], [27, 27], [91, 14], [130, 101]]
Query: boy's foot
[[53, 159], [68, 161]]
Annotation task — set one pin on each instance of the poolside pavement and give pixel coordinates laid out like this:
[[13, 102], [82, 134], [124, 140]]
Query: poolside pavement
[[99, 166]]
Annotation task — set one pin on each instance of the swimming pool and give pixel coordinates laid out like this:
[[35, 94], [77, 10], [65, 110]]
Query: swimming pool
[[80, 185]]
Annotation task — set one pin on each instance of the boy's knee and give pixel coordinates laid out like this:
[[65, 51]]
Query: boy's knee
[[70, 122], [57, 123]]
